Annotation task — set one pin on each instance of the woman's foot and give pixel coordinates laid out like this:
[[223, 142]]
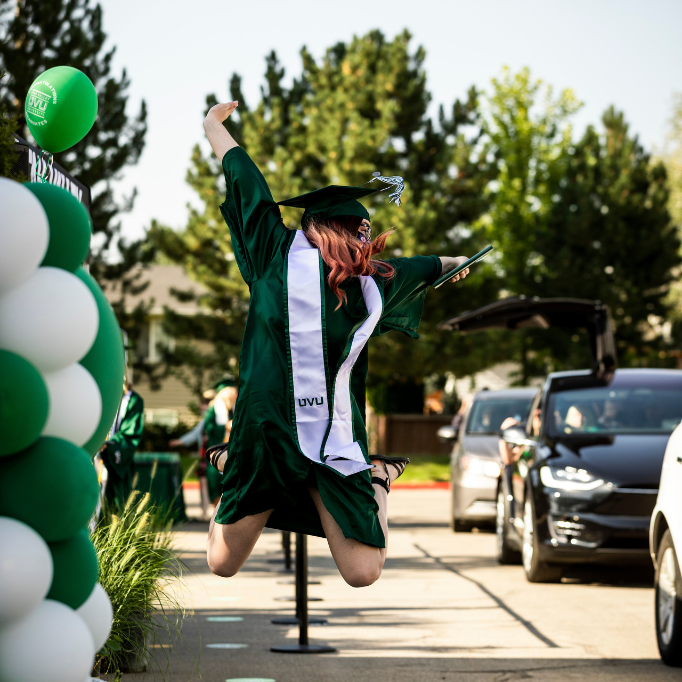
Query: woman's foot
[[385, 470], [217, 456]]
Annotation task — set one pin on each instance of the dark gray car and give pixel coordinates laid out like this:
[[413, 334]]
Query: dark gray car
[[475, 459]]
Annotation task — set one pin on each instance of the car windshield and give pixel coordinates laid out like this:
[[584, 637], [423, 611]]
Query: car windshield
[[487, 415], [611, 411]]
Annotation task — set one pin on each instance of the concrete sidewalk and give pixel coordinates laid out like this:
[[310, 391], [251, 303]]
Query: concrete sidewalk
[[443, 610]]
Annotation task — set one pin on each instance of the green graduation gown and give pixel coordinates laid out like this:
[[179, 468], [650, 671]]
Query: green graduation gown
[[120, 450], [299, 417]]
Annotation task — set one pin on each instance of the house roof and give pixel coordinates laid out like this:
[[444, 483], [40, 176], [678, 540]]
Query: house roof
[[161, 278]]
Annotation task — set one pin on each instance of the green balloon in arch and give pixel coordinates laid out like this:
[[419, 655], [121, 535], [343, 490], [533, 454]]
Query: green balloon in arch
[[105, 361], [61, 107], [70, 226], [51, 487], [24, 403], [75, 569]]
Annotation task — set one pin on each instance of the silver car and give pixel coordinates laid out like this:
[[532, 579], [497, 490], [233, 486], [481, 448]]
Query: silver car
[[475, 459]]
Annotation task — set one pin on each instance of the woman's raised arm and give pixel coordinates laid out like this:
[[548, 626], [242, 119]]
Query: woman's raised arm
[[220, 140]]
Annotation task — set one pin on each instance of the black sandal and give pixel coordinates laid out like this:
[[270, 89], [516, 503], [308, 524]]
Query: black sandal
[[214, 452], [399, 463]]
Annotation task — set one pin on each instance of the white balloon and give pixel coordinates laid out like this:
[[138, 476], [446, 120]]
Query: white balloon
[[51, 319], [25, 570], [75, 404], [98, 615], [52, 643], [24, 233]]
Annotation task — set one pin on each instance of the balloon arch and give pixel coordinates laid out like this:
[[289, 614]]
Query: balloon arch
[[61, 377]]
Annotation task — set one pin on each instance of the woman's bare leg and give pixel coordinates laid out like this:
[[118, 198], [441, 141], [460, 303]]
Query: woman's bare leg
[[230, 544], [360, 565]]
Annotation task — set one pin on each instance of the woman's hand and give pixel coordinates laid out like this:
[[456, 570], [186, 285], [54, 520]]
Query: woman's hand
[[220, 112], [448, 264], [221, 141]]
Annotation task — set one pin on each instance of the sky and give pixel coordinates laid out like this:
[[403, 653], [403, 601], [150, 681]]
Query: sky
[[622, 52]]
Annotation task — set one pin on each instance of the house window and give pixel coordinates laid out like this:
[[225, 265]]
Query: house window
[[158, 340]]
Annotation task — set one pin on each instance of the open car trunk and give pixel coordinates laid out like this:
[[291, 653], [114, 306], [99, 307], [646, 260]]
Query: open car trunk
[[542, 313]]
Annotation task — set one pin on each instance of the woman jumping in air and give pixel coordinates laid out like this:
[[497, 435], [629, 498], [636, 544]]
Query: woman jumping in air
[[298, 456]]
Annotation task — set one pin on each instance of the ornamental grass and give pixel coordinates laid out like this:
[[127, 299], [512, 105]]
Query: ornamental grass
[[142, 575]]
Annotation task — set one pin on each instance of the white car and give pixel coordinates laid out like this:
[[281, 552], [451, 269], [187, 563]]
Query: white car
[[665, 534]]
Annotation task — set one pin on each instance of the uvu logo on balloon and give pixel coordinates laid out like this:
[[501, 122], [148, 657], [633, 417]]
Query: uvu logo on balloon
[[37, 103]]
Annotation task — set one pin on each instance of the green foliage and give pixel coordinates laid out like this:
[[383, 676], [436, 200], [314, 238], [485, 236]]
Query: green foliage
[[142, 574], [568, 218], [314, 134], [585, 219], [155, 437], [672, 159], [8, 126], [36, 35], [609, 237], [530, 132]]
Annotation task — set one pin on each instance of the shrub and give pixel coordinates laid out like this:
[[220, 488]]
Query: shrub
[[141, 573]]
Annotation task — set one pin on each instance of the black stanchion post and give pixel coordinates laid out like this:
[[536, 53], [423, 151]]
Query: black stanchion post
[[302, 588], [303, 646], [286, 542]]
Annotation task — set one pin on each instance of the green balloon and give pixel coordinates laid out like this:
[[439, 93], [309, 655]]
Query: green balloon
[[75, 569], [24, 403], [70, 226], [61, 107], [51, 487], [105, 361]]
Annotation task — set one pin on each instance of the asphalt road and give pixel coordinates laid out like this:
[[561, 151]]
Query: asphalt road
[[443, 610]]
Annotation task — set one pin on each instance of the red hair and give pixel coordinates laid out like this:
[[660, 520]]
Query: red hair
[[344, 253]]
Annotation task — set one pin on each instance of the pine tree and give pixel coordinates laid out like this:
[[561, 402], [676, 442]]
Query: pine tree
[[8, 126], [671, 157], [610, 237], [39, 34], [316, 133], [584, 219]]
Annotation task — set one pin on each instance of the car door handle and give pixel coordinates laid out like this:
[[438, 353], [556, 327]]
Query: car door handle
[[679, 458]]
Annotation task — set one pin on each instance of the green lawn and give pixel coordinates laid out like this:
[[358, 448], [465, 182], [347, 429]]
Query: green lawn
[[423, 468], [188, 461]]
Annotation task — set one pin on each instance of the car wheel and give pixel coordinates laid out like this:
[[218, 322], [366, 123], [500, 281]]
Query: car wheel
[[536, 571], [460, 526], [506, 554], [669, 603]]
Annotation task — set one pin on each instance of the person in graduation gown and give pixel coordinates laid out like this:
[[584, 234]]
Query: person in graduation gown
[[197, 437], [217, 428], [118, 451], [297, 459]]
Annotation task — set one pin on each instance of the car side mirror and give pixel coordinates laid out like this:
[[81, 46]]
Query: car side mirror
[[516, 435], [447, 434]]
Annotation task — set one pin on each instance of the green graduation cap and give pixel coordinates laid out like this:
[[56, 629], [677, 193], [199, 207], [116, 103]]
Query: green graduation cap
[[337, 200], [224, 383]]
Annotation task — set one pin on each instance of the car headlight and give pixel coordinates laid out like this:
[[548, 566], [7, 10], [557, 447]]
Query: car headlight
[[479, 466], [569, 478]]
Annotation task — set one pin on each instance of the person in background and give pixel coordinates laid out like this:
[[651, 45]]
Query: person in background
[[217, 426], [510, 453], [196, 437], [459, 416], [118, 451]]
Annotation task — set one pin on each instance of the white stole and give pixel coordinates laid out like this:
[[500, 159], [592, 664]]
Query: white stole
[[311, 400]]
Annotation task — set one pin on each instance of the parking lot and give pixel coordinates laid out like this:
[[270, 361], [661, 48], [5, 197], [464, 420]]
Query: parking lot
[[443, 610]]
